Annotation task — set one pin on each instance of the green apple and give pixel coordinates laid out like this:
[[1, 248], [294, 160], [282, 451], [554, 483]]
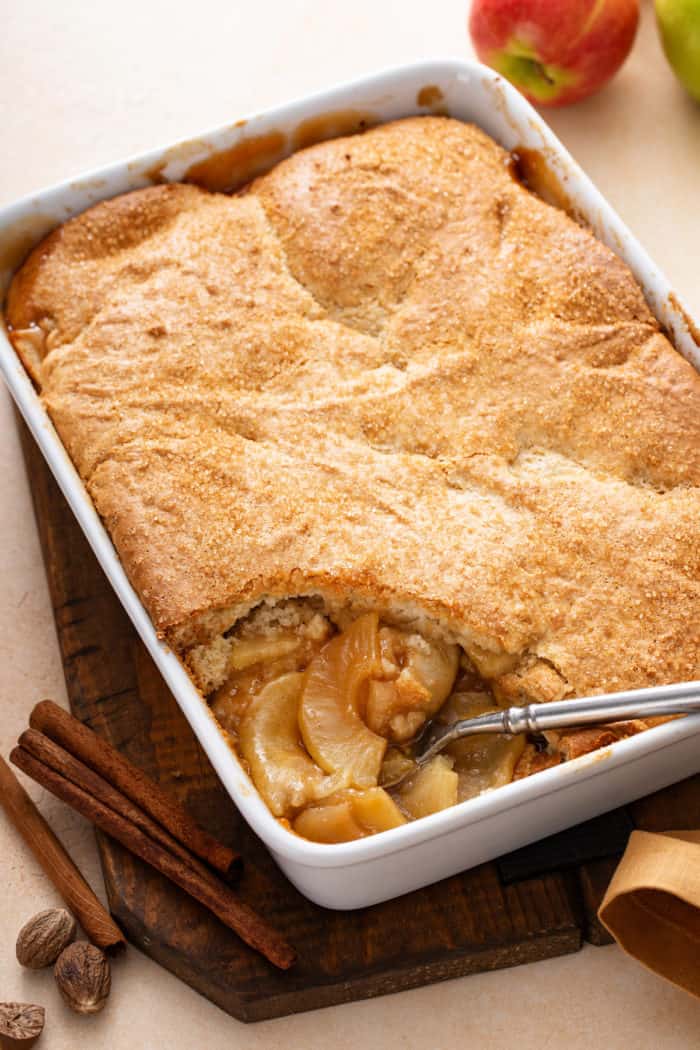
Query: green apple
[[679, 24]]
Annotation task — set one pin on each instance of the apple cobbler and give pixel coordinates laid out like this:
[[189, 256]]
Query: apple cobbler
[[381, 439]]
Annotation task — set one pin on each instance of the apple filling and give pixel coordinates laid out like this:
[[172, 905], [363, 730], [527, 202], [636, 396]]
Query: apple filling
[[324, 711], [324, 708]]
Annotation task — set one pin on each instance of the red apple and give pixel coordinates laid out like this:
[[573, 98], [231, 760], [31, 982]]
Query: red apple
[[554, 51]]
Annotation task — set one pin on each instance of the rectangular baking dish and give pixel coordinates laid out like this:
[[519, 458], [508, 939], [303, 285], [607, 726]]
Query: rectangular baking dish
[[355, 874]]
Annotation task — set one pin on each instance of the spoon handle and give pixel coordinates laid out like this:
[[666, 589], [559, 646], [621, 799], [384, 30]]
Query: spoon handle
[[610, 707], [658, 701]]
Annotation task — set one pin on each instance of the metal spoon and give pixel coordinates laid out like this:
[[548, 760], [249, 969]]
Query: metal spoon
[[655, 702]]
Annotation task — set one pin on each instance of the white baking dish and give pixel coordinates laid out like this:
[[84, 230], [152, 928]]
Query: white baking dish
[[355, 874]]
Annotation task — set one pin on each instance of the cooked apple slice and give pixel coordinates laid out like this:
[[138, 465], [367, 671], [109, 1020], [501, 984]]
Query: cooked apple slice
[[269, 741], [434, 787], [481, 762], [333, 822], [434, 665], [420, 675], [375, 810], [254, 661], [350, 815], [490, 664], [248, 651], [329, 714], [396, 709]]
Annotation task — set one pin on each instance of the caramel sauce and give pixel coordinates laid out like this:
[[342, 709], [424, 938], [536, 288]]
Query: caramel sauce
[[231, 168], [431, 97], [332, 125], [81, 185], [531, 167], [691, 325], [155, 174], [18, 241], [180, 153]]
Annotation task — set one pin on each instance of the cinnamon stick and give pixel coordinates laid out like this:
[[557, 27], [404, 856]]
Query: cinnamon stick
[[104, 759], [215, 896], [53, 755], [60, 869]]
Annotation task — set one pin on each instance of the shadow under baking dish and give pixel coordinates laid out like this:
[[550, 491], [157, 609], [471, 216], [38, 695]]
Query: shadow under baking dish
[[355, 874]]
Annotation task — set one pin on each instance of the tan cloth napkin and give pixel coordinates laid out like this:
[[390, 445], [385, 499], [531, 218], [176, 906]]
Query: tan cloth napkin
[[652, 905]]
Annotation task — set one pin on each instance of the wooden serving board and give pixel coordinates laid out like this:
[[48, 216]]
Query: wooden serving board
[[534, 904]]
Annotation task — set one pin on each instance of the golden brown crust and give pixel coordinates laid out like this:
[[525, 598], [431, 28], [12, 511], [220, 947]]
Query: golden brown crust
[[573, 743], [386, 371]]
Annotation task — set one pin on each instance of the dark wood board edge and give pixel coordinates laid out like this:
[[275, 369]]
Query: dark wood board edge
[[344, 989], [594, 878]]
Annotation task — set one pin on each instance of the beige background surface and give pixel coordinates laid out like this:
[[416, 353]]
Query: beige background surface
[[85, 83]]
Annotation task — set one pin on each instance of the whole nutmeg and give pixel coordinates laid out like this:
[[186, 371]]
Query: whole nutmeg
[[21, 1024], [83, 977], [43, 938]]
